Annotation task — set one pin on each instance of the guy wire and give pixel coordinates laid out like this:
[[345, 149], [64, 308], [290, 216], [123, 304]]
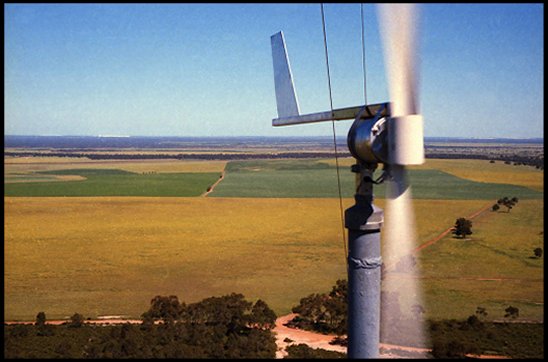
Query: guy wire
[[334, 133], [363, 57]]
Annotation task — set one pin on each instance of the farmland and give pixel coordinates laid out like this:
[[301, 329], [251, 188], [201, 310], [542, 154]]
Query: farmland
[[271, 230], [76, 253], [113, 182]]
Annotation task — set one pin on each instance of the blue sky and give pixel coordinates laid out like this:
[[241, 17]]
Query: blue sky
[[206, 69]]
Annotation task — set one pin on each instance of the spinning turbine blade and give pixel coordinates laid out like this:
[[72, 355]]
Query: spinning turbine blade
[[398, 30], [398, 34], [399, 38]]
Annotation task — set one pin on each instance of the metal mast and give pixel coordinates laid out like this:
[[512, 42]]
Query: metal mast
[[363, 221], [387, 133]]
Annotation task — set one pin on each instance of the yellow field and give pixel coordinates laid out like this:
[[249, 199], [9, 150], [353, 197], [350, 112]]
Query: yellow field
[[483, 171], [103, 255], [475, 170]]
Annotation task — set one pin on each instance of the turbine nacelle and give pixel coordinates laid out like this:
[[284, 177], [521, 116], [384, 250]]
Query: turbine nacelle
[[387, 140]]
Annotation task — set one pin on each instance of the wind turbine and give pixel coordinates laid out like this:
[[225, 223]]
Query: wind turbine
[[388, 133]]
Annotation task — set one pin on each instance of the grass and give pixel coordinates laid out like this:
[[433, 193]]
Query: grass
[[113, 182]]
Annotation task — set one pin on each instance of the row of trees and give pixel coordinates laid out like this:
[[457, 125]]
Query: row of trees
[[463, 226], [217, 327], [179, 156], [506, 202], [232, 311]]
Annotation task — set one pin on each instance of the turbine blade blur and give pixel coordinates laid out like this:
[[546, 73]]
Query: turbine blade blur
[[403, 295], [400, 225], [399, 34], [398, 23]]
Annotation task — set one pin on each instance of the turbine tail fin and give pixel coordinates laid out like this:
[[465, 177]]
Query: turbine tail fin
[[286, 98]]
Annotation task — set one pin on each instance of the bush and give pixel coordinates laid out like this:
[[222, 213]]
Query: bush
[[302, 351], [511, 312], [40, 319], [76, 321]]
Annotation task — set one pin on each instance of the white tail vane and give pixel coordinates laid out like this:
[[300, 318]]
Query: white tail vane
[[286, 98]]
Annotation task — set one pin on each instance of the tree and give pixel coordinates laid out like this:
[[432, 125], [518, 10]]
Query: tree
[[326, 313], [231, 311], [42, 329], [508, 203], [40, 319], [303, 351], [495, 207], [481, 312], [338, 306], [538, 252], [450, 349], [472, 320], [262, 315], [311, 308], [462, 227], [76, 320], [165, 308], [511, 312]]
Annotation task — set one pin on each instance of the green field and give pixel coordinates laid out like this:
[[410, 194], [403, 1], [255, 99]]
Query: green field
[[310, 178], [113, 182], [262, 178]]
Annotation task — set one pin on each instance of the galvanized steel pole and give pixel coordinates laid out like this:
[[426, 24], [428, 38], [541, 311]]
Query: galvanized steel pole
[[363, 221]]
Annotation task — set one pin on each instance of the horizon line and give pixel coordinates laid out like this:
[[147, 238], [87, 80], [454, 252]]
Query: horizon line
[[257, 136]]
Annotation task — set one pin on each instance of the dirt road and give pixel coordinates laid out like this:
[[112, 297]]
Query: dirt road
[[286, 336], [447, 231], [210, 190]]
